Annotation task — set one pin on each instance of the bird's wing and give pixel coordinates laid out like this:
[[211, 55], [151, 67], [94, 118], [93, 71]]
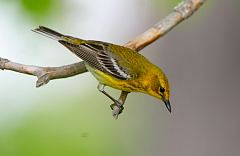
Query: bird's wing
[[98, 55]]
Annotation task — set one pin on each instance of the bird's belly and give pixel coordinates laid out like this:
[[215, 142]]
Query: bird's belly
[[108, 80]]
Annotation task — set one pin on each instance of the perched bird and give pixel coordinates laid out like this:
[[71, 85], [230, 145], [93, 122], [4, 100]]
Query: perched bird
[[116, 66]]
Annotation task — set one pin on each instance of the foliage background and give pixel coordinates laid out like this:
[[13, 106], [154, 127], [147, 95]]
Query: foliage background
[[70, 117]]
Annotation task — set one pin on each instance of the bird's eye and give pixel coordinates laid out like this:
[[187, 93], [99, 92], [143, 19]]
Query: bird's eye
[[162, 90]]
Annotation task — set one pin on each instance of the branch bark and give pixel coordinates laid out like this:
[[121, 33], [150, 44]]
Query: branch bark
[[181, 12], [44, 74]]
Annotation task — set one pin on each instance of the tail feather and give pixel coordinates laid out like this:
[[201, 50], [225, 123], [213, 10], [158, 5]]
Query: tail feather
[[48, 33]]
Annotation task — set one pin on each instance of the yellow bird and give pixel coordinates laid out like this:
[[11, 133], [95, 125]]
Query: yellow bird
[[116, 66]]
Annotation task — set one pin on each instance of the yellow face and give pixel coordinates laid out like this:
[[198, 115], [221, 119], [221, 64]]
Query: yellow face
[[160, 88]]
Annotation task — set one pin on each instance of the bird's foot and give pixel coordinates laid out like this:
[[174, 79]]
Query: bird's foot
[[117, 108]]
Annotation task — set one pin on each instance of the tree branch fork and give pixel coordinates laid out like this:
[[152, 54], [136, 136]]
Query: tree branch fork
[[44, 74]]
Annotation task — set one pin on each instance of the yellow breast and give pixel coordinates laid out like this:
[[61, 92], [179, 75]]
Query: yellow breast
[[108, 80]]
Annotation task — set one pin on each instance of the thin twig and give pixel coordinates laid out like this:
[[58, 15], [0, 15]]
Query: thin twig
[[44, 74], [181, 12]]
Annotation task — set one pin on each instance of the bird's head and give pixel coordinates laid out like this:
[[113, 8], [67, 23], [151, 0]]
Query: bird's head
[[159, 87]]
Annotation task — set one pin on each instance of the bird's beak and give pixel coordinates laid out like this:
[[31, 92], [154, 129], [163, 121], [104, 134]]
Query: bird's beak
[[167, 104]]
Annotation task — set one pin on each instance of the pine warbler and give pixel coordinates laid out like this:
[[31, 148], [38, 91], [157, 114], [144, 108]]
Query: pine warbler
[[116, 66]]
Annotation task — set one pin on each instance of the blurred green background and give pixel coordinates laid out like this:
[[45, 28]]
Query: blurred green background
[[69, 117]]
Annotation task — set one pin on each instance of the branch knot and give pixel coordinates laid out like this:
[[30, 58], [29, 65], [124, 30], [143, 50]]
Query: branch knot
[[3, 62], [42, 80], [185, 8]]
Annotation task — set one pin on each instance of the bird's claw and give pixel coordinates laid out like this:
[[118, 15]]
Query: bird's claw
[[113, 106], [117, 108]]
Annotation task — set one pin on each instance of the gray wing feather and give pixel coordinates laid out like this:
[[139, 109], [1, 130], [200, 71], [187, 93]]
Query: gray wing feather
[[95, 55]]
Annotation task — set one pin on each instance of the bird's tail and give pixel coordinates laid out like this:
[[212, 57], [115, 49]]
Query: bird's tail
[[49, 33]]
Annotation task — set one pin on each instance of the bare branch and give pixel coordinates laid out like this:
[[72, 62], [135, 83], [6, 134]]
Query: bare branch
[[182, 11], [44, 74]]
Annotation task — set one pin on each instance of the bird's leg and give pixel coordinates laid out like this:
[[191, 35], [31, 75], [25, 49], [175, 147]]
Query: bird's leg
[[117, 103], [116, 109], [101, 89]]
